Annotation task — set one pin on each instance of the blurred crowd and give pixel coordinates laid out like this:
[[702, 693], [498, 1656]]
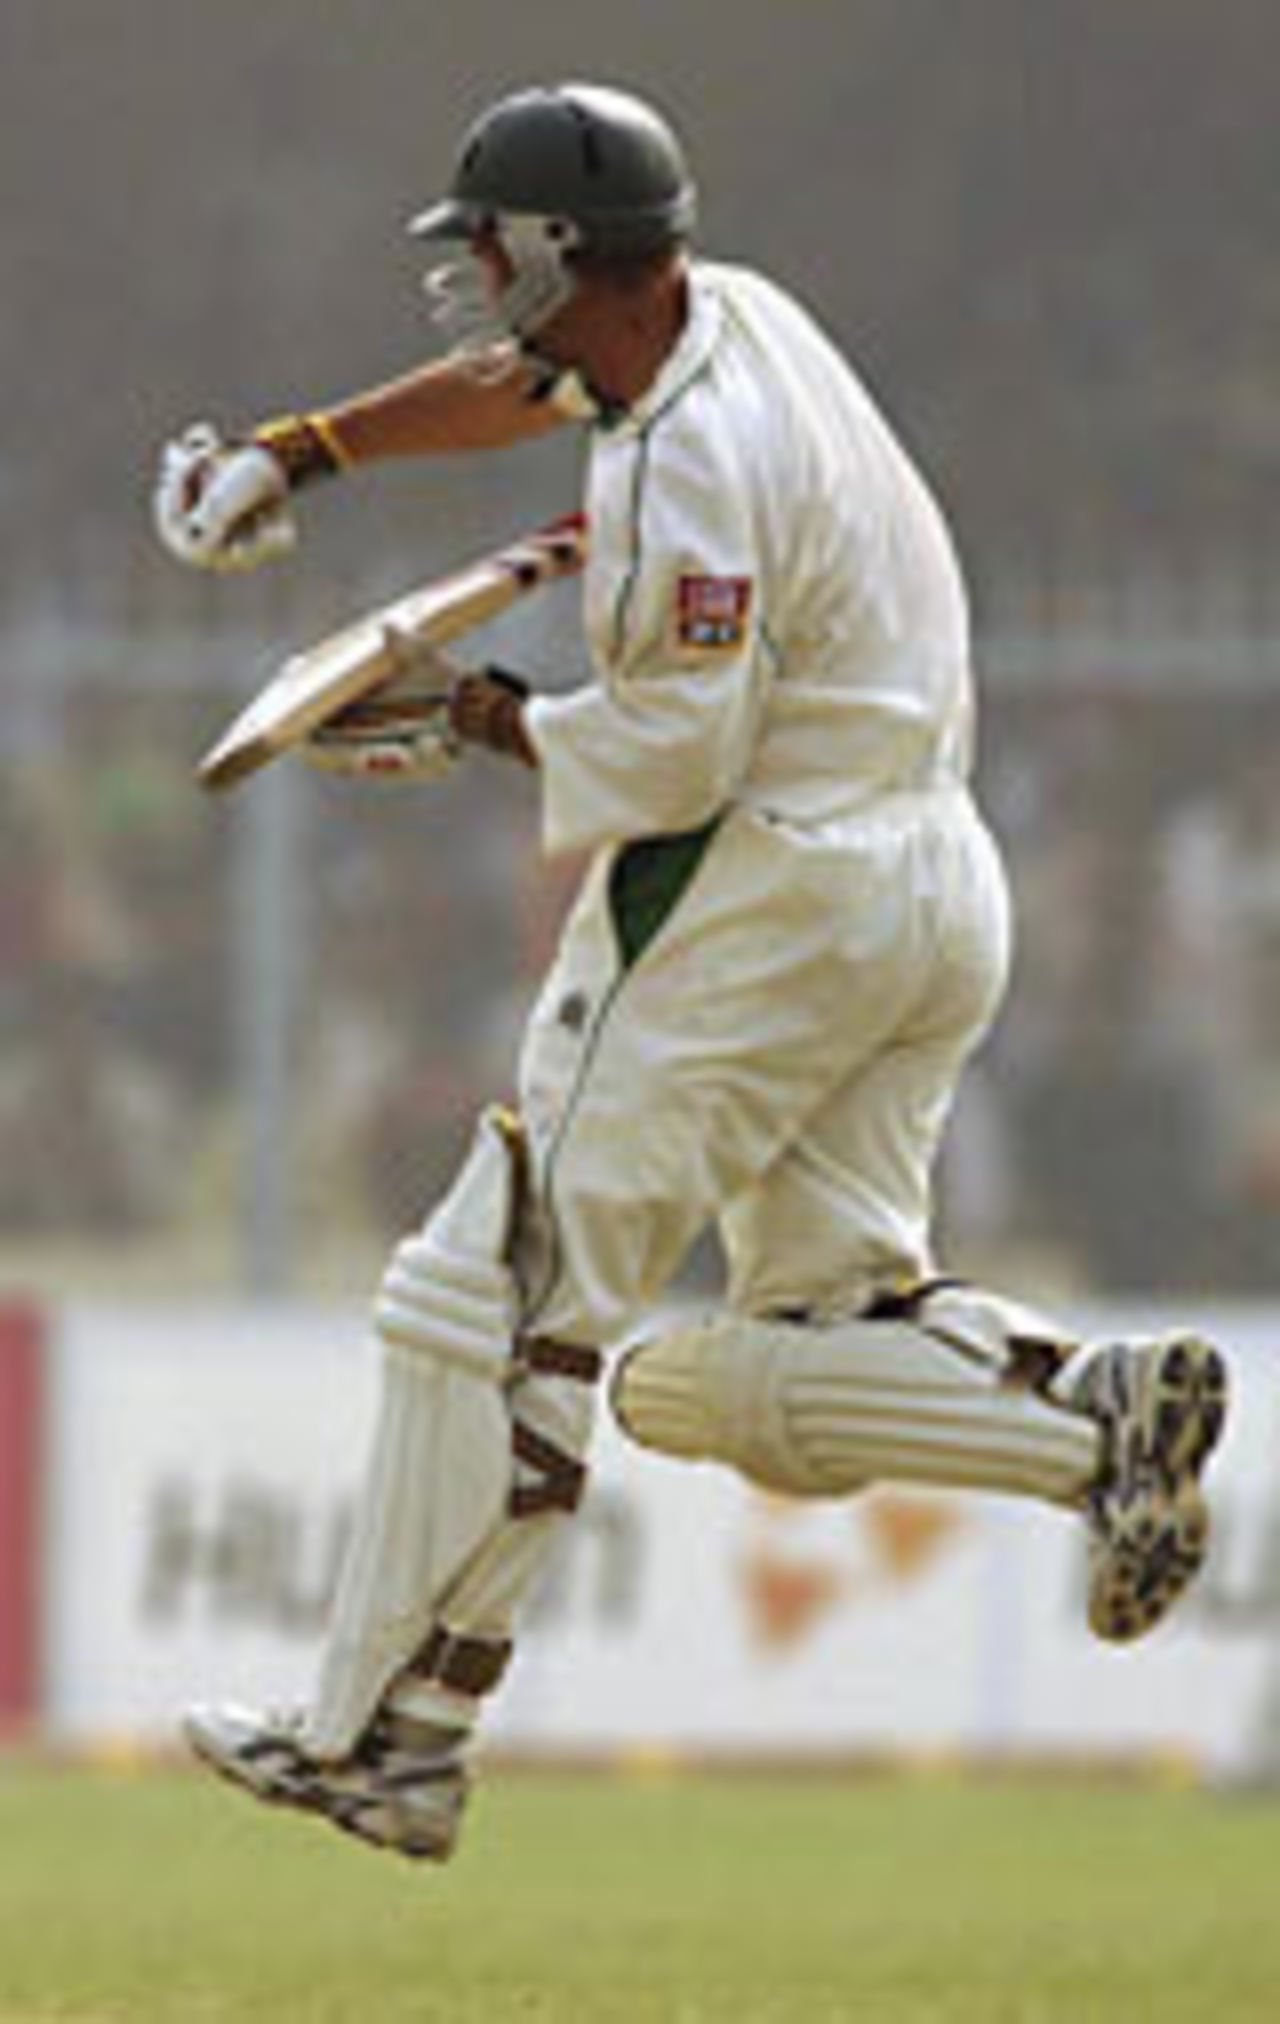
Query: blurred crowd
[[414, 922], [1125, 1117], [1123, 1122]]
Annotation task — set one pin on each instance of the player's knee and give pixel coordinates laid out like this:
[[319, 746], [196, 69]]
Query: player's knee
[[663, 1397], [449, 1292], [708, 1392]]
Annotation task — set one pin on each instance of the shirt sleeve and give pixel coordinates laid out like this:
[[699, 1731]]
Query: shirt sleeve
[[661, 738]]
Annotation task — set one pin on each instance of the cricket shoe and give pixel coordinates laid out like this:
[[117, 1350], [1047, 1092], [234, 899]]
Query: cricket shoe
[[1162, 1406], [409, 1800]]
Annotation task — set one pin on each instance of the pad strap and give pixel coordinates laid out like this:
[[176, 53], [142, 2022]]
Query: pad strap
[[466, 1665], [905, 1303], [559, 1478], [560, 1359]]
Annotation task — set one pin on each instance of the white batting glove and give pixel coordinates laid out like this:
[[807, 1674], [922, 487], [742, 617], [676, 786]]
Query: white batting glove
[[222, 506], [404, 731], [420, 750]]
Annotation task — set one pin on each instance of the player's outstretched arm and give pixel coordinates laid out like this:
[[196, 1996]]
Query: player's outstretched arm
[[226, 502], [448, 405]]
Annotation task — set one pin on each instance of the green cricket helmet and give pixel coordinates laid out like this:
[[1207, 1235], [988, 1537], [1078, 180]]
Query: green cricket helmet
[[564, 170]]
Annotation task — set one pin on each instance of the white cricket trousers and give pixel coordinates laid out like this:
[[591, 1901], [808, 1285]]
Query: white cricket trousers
[[779, 1058]]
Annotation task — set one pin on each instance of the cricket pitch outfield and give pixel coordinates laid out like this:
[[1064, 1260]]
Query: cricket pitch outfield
[[135, 1897]]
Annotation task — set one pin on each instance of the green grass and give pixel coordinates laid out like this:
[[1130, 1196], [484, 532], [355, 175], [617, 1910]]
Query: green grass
[[132, 1899]]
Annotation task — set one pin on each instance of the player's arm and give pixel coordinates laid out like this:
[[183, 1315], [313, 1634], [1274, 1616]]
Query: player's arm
[[661, 741], [225, 503], [446, 406]]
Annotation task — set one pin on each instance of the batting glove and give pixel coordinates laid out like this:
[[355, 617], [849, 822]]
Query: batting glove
[[421, 751], [222, 506], [400, 732]]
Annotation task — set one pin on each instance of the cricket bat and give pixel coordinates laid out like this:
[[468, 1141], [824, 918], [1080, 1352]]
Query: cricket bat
[[350, 665]]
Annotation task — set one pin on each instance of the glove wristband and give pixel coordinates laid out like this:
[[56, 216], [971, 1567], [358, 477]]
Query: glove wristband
[[306, 447]]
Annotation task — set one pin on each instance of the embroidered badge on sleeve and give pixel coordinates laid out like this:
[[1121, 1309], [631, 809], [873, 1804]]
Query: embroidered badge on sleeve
[[712, 612]]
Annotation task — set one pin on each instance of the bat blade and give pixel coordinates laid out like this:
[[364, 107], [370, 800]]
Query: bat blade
[[352, 663]]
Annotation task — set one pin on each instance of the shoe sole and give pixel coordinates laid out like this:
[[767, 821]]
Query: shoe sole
[[1184, 1410], [1147, 1552], [307, 1793]]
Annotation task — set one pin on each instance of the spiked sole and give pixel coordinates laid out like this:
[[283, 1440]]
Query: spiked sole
[[1150, 1524]]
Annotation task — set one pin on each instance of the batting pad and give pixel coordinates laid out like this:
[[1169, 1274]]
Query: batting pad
[[484, 1601], [440, 1469], [822, 1411]]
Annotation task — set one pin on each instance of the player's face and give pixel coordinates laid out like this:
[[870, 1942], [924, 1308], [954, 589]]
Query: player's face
[[495, 262]]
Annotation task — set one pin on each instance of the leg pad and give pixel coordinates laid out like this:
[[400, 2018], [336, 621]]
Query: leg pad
[[823, 1410]]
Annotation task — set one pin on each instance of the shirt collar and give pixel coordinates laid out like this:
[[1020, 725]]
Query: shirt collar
[[683, 363]]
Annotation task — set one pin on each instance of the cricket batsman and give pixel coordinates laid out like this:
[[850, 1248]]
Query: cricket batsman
[[792, 932]]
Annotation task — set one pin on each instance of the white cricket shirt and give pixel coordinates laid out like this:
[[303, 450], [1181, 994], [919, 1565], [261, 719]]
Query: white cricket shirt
[[772, 602]]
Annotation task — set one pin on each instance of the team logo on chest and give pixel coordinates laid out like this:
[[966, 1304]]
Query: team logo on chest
[[712, 612]]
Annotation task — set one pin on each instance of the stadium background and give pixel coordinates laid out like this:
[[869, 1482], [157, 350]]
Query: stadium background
[[240, 1042]]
